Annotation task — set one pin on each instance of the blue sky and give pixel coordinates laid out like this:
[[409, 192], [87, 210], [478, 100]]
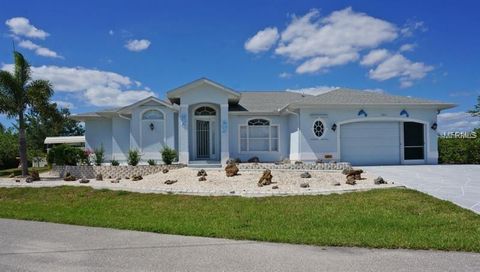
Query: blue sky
[[108, 53]]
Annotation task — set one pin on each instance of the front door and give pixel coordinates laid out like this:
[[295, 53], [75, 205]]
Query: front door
[[413, 143], [205, 139]]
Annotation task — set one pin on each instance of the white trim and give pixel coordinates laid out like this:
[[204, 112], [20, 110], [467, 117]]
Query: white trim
[[148, 99], [213, 130], [141, 126], [175, 93], [402, 145], [269, 137]]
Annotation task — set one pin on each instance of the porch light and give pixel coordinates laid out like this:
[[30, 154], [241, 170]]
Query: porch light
[[334, 127], [434, 126], [152, 126]]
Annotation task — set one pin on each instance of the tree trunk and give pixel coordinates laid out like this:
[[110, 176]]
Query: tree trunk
[[23, 144]]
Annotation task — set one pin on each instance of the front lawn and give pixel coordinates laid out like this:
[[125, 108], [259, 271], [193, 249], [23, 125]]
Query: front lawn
[[387, 218]]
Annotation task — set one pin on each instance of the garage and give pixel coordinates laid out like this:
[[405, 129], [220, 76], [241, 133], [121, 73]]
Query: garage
[[370, 143]]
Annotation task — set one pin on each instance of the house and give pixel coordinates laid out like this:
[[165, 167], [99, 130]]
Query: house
[[207, 122]]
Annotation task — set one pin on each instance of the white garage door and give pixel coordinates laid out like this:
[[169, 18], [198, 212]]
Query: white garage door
[[370, 143]]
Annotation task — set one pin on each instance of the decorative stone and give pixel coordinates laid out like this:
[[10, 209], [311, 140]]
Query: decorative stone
[[69, 177], [356, 174], [319, 161], [165, 170], [117, 180], [305, 175], [12, 175], [275, 187], [169, 181], [84, 180], [351, 180], [336, 183], [298, 162], [379, 180], [201, 173], [304, 185], [35, 175], [99, 177], [202, 178], [29, 179], [232, 192], [17, 180], [137, 177], [254, 160], [266, 178], [231, 169]]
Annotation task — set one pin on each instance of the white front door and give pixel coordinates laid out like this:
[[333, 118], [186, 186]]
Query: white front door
[[205, 138]]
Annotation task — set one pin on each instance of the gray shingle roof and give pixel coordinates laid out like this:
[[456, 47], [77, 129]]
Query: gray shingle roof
[[265, 101]]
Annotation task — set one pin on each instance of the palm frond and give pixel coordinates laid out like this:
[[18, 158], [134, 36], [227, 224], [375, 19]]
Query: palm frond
[[22, 69], [9, 102], [39, 93]]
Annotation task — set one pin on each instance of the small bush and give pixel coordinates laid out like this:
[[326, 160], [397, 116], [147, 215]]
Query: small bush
[[459, 150], [65, 155], [133, 157], [168, 155], [151, 162], [114, 162], [99, 155]]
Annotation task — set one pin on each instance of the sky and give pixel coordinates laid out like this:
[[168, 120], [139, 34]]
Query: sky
[[102, 54]]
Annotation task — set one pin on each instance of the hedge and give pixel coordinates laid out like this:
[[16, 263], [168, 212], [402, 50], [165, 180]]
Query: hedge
[[459, 150]]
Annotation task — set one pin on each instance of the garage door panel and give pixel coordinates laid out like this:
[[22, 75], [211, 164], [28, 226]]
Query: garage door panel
[[367, 143]]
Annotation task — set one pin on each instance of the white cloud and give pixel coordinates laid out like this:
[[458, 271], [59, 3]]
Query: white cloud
[[313, 90], [374, 57], [64, 104], [375, 90], [99, 88], [263, 40], [407, 47], [398, 66], [337, 39], [285, 75], [411, 26], [137, 45], [111, 32], [39, 50], [457, 122], [21, 26]]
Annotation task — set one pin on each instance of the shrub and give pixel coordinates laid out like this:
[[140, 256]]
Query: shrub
[[65, 155], [168, 155], [99, 155], [459, 150], [133, 157], [114, 162], [151, 162]]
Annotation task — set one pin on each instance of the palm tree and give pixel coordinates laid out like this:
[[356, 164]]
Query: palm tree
[[476, 110], [18, 92]]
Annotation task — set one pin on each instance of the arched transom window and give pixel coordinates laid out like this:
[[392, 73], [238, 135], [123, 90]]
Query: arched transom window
[[205, 111], [259, 135], [152, 115]]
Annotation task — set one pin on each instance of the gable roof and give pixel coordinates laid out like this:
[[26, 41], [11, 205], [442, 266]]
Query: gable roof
[[261, 101], [174, 94], [128, 108]]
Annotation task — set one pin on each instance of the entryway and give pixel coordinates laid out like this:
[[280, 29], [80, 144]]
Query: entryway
[[205, 136]]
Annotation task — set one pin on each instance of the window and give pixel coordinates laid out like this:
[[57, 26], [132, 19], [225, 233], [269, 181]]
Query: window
[[259, 135], [152, 115], [318, 128], [205, 111]]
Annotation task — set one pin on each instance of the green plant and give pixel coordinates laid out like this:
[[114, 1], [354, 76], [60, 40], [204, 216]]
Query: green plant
[[168, 155], [459, 150], [99, 155], [133, 157], [151, 162], [64, 155], [114, 162]]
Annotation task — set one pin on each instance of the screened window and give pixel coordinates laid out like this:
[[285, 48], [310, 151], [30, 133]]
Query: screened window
[[152, 115], [259, 135], [318, 128], [206, 111]]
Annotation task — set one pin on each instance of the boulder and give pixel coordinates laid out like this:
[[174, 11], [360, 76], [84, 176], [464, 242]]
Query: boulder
[[69, 177], [170, 181], [84, 180], [298, 162], [17, 180], [336, 183], [275, 187], [165, 170], [305, 175], [356, 173], [202, 178], [137, 177], [351, 180], [266, 178], [304, 185], [379, 180], [254, 160], [29, 179], [117, 180], [231, 169], [35, 175], [99, 177], [201, 173]]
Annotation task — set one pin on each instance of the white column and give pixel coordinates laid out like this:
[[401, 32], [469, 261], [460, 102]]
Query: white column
[[183, 155], [224, 140]]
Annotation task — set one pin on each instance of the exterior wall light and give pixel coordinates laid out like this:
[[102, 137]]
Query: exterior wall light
[[152, 126], [434, 126], [334, 127]]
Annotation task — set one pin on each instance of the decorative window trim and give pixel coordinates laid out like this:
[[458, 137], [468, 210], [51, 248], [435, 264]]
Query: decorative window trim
[[150, 119], [205, 111], [323, 126], [248, 138]]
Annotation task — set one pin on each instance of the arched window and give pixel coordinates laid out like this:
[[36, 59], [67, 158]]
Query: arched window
[[152, 115], [318, 128], [205, 111], [258, 135]]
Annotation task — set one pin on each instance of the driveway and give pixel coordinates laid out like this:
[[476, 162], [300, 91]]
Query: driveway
[[459, 184], [37, 246]]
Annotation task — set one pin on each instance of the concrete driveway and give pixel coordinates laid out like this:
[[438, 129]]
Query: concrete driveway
[[36, 246], [459, 184]]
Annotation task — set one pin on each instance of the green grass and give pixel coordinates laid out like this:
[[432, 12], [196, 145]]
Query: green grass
[[386, 218], [18, 171]]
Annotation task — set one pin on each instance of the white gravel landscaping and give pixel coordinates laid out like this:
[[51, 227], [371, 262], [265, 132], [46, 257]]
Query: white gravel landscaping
[[245, 184]]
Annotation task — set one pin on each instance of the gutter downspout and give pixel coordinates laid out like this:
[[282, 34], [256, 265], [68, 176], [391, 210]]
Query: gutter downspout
[[299, 132]]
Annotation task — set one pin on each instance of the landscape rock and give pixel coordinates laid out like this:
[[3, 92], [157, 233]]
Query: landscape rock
[[17, 180], [231, 169], [304, 185], [319, 161], [165, 170], [117, 180], [69, 177], [201, 173], [298, 162], [266, 178], [170, 181], [305, 175], [12, 175], [379, 180], [202, 178], [99, 177], [336, 183], [254, 160], [355, 173], [351, 180], [29, 179], [275, 187], [35, 175], [84, 180], [137, 177]]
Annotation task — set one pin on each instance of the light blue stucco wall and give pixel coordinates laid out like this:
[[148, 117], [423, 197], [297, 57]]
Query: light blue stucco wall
[[120, 138], [98, 132]]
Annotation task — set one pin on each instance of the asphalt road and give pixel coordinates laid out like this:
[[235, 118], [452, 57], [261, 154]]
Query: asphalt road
[[35, 246]]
